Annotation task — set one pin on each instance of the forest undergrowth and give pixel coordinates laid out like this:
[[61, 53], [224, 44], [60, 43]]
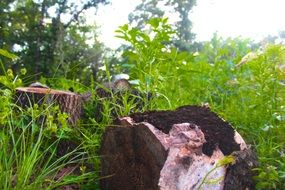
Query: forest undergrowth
[[242, 83]]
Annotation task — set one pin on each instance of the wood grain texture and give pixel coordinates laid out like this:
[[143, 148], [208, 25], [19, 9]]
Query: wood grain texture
[[68, 102]]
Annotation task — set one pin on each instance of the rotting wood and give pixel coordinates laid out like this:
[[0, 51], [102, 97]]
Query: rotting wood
[[175, 150]]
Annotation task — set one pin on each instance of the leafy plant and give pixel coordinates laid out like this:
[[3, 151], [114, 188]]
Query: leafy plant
[[249, 95], [28, 155]]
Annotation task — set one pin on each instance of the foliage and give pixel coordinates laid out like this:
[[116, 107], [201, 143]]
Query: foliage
[[50, 37], [148, 52], [28, 147], [249, 95], [185, 38], [145, 11], [148, 9]]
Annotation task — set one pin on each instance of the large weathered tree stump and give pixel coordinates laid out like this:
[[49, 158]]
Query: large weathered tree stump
[[68, 102], [175, 150]]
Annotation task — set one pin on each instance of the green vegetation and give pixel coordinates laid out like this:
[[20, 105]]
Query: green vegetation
[[147, 9], [47, 43], [250, 96], [28, 142]]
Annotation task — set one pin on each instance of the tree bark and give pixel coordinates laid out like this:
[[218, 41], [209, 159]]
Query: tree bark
[[68, 102], [175, 150]]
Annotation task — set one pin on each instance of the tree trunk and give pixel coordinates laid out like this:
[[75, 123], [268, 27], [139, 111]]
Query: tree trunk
[[68, 102], [175, 150]]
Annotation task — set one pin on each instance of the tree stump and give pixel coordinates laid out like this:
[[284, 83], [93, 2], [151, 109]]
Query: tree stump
[[175, 150], [68, 102]]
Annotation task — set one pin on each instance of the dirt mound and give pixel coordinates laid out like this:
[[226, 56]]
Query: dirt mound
[[217, 131]]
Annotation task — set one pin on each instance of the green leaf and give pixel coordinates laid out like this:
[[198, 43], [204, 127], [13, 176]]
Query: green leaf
[[5, 53], [122, 37], [125, 27], [165, 20], [126, 65], [119, 31], [154, 22], [226, 160], [134, 33], [183, 55], [145, 37]]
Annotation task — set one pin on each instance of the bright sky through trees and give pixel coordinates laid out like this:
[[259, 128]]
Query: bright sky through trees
[[229, 18], [247, 18]]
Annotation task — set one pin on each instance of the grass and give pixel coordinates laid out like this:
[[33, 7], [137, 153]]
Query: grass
[[28, 156], [250, 97], [29, 139]]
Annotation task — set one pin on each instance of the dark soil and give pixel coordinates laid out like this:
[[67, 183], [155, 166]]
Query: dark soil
[[217, 131]]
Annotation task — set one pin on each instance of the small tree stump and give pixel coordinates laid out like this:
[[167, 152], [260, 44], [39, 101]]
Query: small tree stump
[[175, 150], [68, 102]]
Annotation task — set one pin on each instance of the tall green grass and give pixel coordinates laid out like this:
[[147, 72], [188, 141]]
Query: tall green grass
[[250, 96], [29, 139], [28, 155]]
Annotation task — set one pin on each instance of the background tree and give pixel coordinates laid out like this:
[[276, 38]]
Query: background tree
[[145, 11], [49, 36], [184, 39]]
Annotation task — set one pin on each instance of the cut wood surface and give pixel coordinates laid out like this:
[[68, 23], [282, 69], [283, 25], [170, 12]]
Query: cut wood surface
[[68, 102], [174, 150]]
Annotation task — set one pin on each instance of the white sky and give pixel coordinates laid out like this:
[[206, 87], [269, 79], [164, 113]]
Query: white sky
[[230, 18]]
